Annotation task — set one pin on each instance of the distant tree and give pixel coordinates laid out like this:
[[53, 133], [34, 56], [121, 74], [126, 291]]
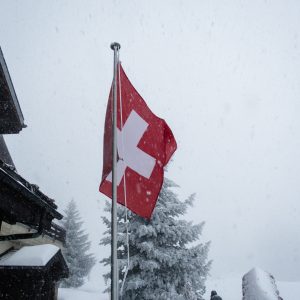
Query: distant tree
[[163, 263], [77, 246]]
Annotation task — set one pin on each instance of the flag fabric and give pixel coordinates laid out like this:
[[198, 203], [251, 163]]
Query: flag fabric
[[145, 144]]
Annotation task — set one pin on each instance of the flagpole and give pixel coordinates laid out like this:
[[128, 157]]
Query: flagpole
[[114, 223]]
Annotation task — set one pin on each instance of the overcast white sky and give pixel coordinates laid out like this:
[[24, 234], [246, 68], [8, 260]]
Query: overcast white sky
[[224, 74]]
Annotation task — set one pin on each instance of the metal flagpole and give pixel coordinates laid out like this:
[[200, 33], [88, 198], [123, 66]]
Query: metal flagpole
[[114, 238]]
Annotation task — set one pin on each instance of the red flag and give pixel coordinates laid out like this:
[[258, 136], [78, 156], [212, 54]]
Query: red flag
[[145, 145]]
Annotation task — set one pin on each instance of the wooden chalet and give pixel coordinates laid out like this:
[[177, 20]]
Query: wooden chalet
[[27, 217]]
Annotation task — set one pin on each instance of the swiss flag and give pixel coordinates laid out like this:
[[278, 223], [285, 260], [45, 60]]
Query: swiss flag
[[145, 145]]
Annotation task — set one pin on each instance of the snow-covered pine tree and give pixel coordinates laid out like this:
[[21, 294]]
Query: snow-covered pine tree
[[77, 245], [163, 263]]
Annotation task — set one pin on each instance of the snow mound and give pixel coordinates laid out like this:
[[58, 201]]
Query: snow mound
[[230, 288], [259, 285]]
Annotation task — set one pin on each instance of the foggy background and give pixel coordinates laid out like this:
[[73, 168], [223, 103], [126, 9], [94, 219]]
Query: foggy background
[[225, 75]]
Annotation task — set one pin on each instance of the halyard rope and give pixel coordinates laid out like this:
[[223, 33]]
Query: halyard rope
[[124, 184]]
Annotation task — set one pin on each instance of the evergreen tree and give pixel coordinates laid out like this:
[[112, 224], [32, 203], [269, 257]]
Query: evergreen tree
[[76, 248], [163, 263]]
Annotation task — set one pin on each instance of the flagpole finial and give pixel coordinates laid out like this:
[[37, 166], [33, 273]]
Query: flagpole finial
[[115, 46]]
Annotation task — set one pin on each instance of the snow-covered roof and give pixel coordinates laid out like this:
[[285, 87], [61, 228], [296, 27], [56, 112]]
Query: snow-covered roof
[[36, 256], [258, 284]]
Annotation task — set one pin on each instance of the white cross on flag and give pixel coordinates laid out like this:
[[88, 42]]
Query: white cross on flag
[[145, 145]]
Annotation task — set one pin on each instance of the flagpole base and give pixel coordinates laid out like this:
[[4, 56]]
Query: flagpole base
[[115, 46]]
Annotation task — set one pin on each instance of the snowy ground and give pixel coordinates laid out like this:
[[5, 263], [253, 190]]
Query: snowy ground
[[229, 289], [79, 294]]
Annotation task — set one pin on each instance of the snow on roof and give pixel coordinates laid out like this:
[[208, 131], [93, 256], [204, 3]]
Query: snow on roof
[[258, 284], [30, 256]]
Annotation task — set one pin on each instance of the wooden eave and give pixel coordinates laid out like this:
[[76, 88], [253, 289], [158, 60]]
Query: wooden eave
[[4, 153], [23, 202], [11, 117]]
